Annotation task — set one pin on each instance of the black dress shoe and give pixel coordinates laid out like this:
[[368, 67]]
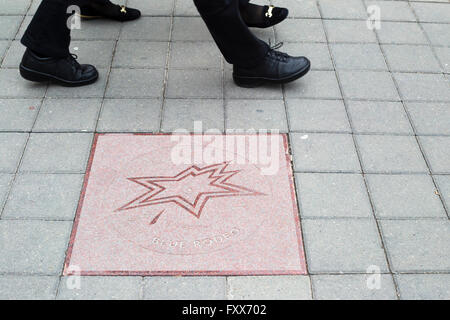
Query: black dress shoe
[[109, 11], [65, 71], [268, 17], [277, 67]]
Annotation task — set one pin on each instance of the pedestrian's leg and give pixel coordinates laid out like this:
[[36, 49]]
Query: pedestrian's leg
[[48, 34], [236, 42], [47, 57], [254, 62]]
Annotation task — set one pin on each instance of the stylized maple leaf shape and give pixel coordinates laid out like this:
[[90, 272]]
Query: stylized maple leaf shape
[[190, 189]]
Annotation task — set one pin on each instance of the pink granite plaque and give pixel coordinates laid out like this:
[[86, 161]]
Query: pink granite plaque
[[187, 205]]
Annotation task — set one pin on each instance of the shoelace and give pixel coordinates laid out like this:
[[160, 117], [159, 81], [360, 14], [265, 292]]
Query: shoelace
[[72, 58], [280, 56]]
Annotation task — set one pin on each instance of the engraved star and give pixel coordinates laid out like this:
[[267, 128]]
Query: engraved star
[[190, 189]]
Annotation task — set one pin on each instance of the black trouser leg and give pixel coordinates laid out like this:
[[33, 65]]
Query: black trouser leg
[[48, 34], [236, 42]]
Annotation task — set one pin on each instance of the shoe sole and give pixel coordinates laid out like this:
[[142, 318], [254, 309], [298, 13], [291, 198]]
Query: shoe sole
[[85, 17], [253, 82], [37, 76], [82, 16]]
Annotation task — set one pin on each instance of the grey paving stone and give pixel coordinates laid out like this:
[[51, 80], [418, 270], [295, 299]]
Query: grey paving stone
[[269, 288], [324, 152], [379, 117], [190, 29], [390, 154], [444, 57], [5, 184], [393, 10], [256, 114], [417, 245], [97, 30], [183, 288], [15, 6], [401, 33], [97, 53], [405, 196], [332, 195], [4, 44], [194, 84], [348, 9], [432, 12], [183, 113], [205, 54], [317, 115], [302, 9], [11, 149], [68, 115], [409, 58], [12, 85], [358, 56], [264, 34], [100, 288], [22, 28], [185, 8], [318, 53], [33, 246], [34, 5], [300, 30], [316, 84], [96, 90], [353, 287], [232, 91], [430, 118], [368, 85], [28, 287], [437, 33], [13, 55], [423, 87], [135, 83], [57, 153], [437, 150], [443, 183], [140, 54], [153, 7], [18, 114], [424, 286], [147, 28], [9, 26], [349, 31], [44, 196], [343, 245], [130, 115], [429, 0]]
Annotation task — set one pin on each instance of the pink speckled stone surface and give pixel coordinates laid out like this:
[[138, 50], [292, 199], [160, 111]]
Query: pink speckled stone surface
[[141, 214]]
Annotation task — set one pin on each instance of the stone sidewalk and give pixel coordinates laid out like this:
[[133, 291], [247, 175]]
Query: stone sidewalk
[[369, 130]]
